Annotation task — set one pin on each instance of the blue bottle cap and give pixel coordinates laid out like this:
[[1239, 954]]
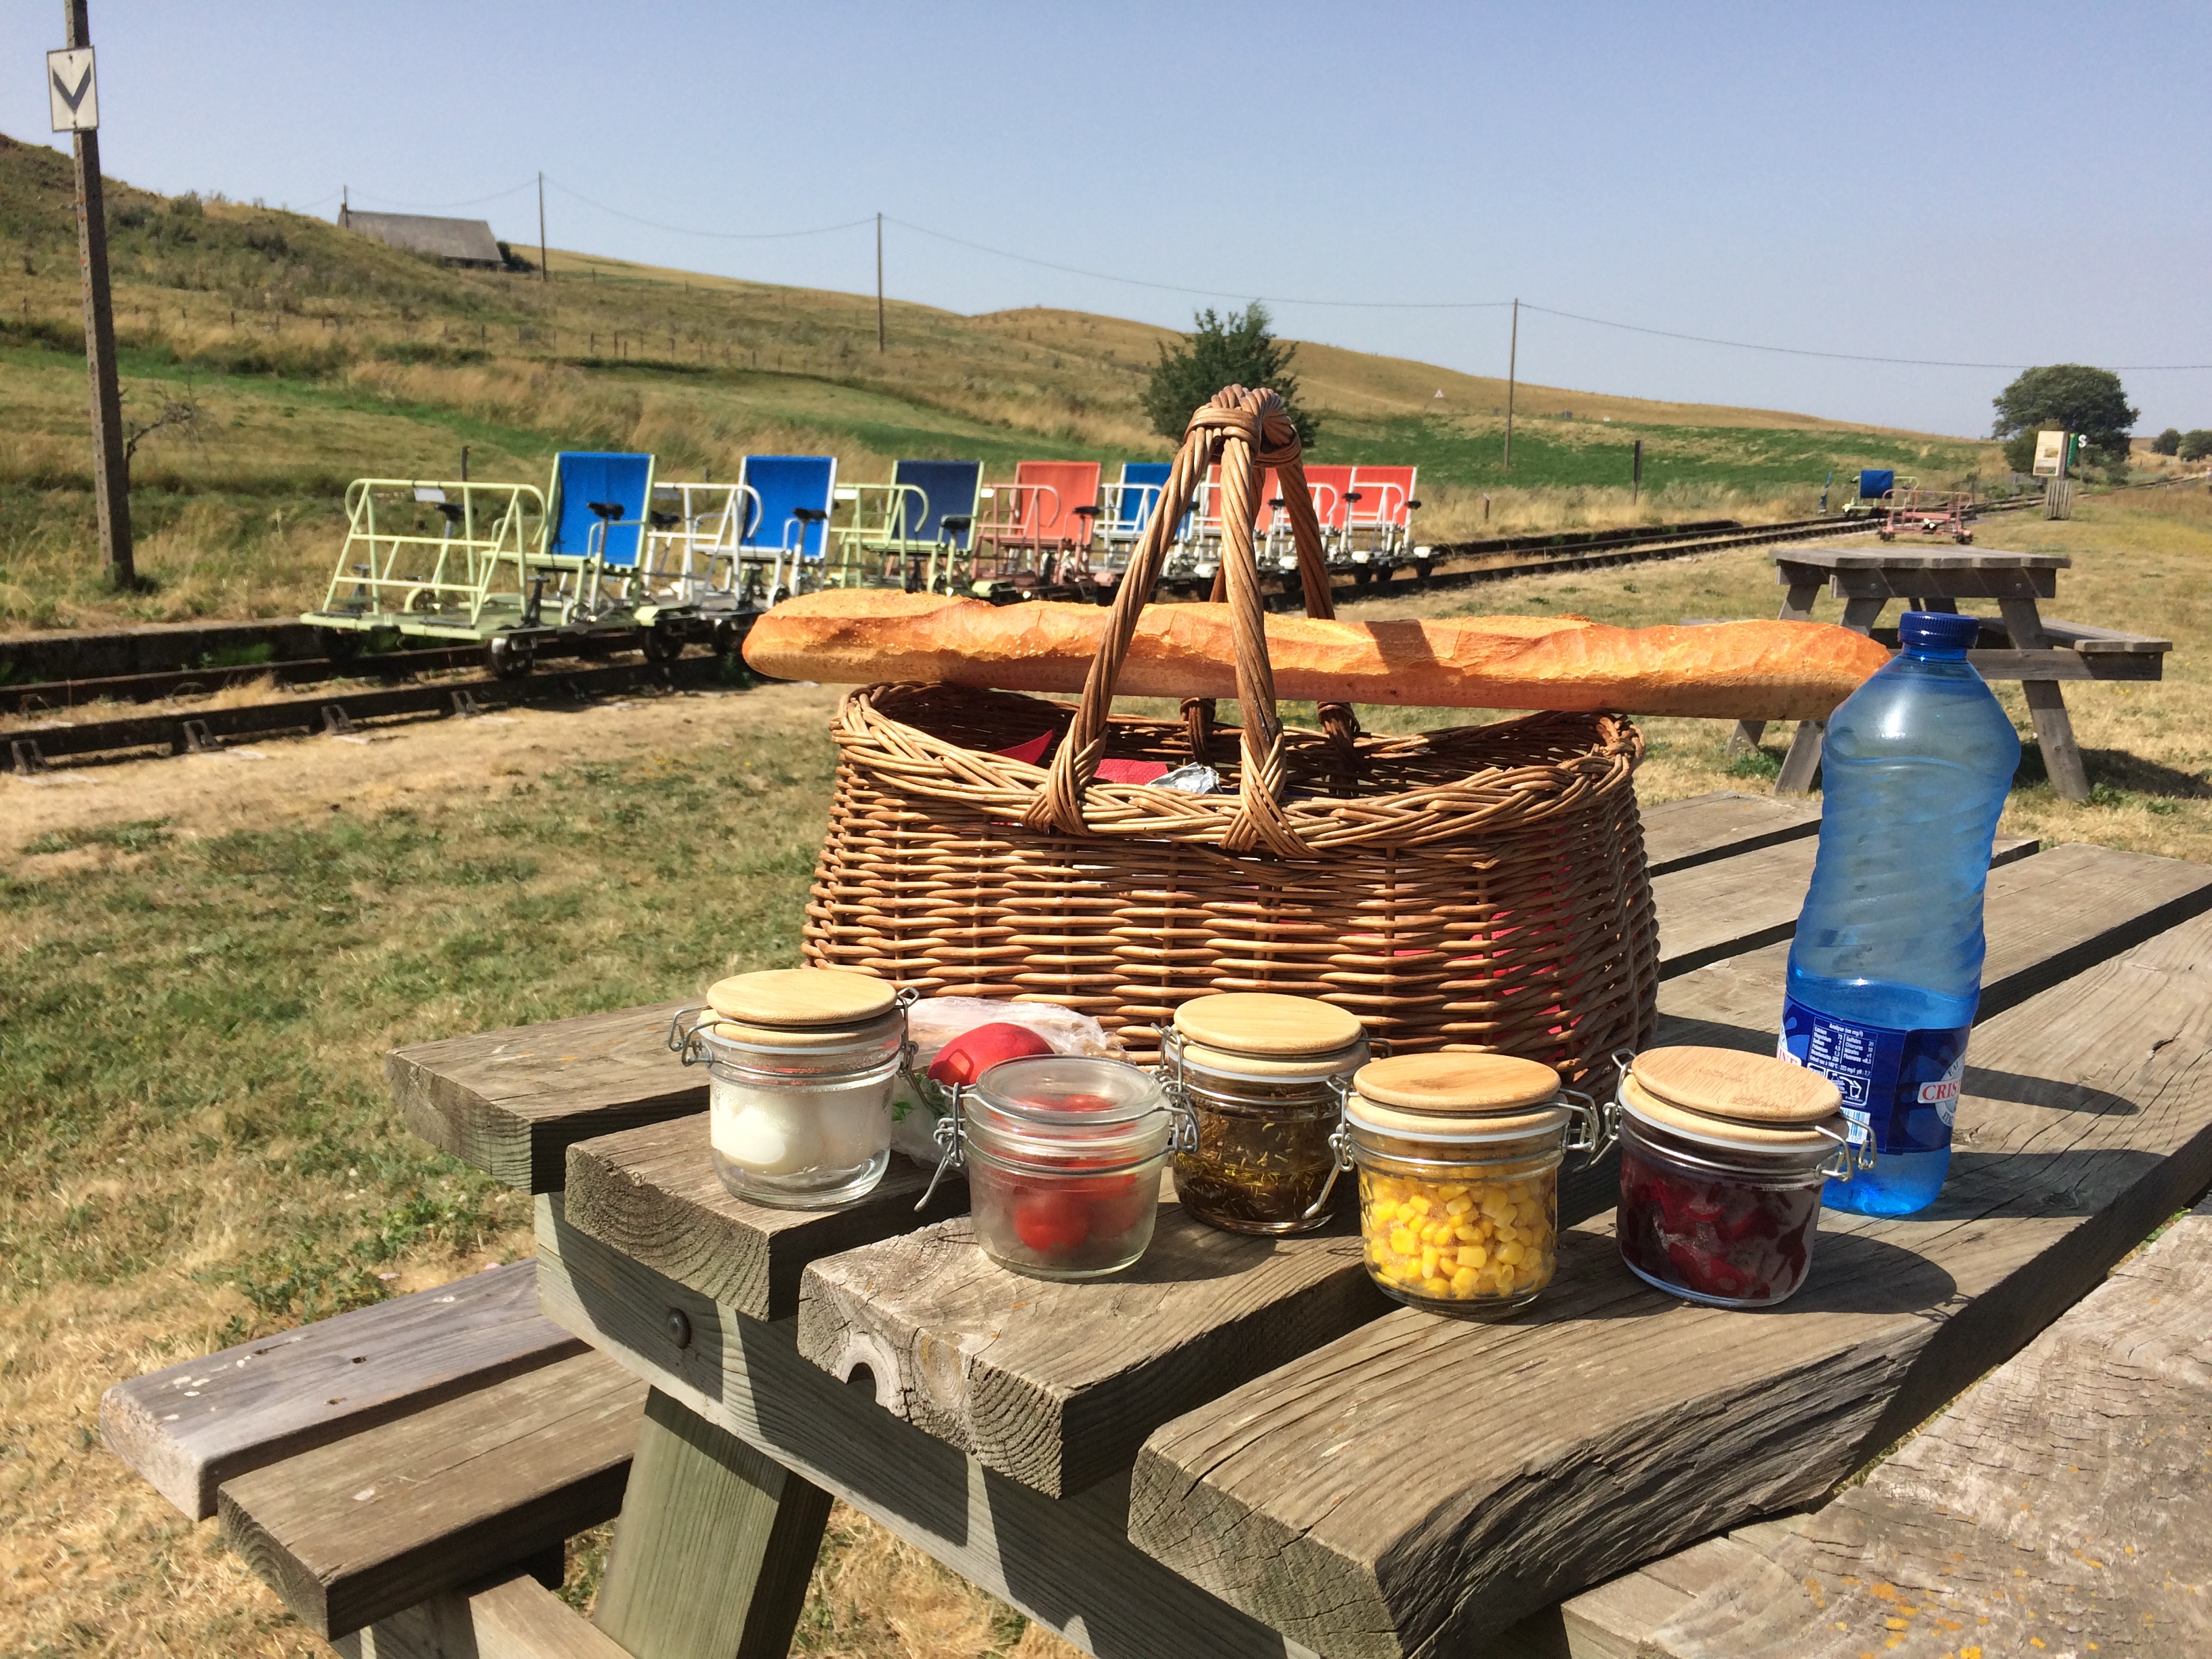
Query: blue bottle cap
[[1937, 630]]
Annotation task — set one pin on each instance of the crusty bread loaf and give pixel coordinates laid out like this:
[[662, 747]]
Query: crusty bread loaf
[[1729, 671]]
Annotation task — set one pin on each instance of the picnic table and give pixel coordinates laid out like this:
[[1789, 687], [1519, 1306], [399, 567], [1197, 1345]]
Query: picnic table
[[2020, 644], [1238, 1447]]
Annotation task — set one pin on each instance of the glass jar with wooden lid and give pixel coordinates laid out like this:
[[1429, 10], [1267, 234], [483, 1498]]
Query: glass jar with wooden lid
[[1723, 1158], [1263, 1076], [802, 1063], [1459, 1159], [1064, 1154]]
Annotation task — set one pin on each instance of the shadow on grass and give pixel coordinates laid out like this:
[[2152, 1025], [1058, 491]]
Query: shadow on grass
[[2115, 775]]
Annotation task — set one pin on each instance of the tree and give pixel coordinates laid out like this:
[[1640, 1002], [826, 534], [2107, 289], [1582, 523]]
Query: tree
[[2196, 446], [2066, 397], [1233, 350], [2168, 442]]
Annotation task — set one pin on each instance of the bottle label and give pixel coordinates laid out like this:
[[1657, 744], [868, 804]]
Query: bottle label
[[1900, 1088]]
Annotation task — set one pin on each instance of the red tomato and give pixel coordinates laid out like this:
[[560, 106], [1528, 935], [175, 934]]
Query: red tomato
[[1051, 1221], [1115, 1206], [974, 1052]]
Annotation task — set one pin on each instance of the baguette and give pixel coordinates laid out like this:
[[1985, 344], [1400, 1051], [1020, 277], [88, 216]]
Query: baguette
[[1727, 670]]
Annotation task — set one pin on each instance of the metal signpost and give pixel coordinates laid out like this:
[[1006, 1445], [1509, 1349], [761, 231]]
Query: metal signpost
[[74, 97]]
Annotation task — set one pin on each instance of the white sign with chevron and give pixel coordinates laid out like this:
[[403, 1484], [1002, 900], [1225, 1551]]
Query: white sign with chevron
[[69, 89]]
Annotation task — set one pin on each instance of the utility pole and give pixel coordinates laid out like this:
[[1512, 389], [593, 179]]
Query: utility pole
[[1636, 473], [1512, 374], [545, 274], [879, 282], [111, 480]]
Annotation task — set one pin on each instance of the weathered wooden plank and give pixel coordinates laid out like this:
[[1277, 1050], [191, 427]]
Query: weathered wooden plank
[[2063, 665], [715, 1547], [189, 1428], [652, 1193], [355, 1531], [2090, 640], [511, 1102], [517, 1617], [2060, 1503], [1417, 1485], [1713, 910], [1679, 834], [1056, 1385], [1065, 1563]]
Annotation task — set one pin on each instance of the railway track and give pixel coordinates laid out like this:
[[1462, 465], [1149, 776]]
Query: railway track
[[198, 730]]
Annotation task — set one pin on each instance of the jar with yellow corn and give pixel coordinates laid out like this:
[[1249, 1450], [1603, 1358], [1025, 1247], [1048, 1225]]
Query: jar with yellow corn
[[1459, 1158]]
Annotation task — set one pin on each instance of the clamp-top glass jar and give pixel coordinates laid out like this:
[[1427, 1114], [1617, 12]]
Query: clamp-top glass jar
[[1264, 1077], [1459, 1159], [1723, 1158], [803, 1062], [1064, 1154]]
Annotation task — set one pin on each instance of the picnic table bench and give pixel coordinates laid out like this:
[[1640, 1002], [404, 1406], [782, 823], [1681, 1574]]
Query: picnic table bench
[[1239, 1447], [2020, 644]]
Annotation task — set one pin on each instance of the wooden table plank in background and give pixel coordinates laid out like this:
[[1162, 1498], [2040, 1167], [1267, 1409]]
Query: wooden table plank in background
[[511, 1102], [652, 1193], [1419, 1484]]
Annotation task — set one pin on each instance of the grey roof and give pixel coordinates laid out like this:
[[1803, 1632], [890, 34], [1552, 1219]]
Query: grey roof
[[468, 241]]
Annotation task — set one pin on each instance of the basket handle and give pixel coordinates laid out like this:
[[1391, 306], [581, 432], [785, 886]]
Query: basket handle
[[1246, 430]]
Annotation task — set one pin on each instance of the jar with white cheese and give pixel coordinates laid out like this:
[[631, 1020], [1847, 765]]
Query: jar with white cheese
[[802, 1063]]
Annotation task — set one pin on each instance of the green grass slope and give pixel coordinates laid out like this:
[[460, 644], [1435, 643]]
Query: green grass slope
[[314, 355]]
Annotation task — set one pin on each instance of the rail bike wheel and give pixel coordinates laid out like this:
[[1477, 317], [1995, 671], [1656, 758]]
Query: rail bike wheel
[[510, 657]]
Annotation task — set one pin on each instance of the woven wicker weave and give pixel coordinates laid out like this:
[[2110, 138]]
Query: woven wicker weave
[[1482, 887]]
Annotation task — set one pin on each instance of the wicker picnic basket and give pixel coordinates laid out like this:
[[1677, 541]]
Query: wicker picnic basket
[[1481, 887]]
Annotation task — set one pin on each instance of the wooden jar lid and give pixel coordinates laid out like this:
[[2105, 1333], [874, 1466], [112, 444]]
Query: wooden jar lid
[[802, 999], [1458, 1094], [1731, 1132], [1267, 1026], [1727, 1083]]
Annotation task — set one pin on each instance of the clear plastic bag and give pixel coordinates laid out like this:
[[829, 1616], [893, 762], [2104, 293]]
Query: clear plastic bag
[[918, 1103]]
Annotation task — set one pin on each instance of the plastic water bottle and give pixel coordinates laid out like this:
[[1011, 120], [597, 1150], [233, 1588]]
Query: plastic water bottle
[[1886, 966]]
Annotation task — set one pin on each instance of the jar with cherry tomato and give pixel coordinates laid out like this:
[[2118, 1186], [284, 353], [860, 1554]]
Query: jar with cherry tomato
[[1064, 1154], [1723, 1157]]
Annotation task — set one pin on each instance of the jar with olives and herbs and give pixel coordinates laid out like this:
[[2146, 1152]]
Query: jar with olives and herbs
[[1263, 1076]]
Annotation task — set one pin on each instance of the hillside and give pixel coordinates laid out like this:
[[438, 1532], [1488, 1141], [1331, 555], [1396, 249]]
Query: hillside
[[313, 355]]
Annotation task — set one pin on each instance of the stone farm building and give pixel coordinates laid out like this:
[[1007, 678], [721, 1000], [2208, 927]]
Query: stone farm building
[[455, 241]]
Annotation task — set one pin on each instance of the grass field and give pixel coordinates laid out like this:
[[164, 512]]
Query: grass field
[[317, 356], [206, 958]]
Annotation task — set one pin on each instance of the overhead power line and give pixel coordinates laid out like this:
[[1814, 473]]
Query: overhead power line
[[716, 235], [1835, 356], [436, 207], [1206, 293]]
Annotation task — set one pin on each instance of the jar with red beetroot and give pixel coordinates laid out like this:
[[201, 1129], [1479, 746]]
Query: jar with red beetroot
[[1723, 1158], [1064, 1154]]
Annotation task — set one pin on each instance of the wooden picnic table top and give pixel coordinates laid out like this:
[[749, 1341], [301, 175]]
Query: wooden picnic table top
[[1239, 1446], [1921, 558]]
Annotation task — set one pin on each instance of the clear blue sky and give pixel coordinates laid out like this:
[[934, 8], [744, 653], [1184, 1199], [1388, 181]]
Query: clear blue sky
[[1998, 184]]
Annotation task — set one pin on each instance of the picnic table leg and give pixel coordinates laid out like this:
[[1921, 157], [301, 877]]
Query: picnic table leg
[[2054, 730], [1802, 763], [715, 1547], [1796, 606]]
